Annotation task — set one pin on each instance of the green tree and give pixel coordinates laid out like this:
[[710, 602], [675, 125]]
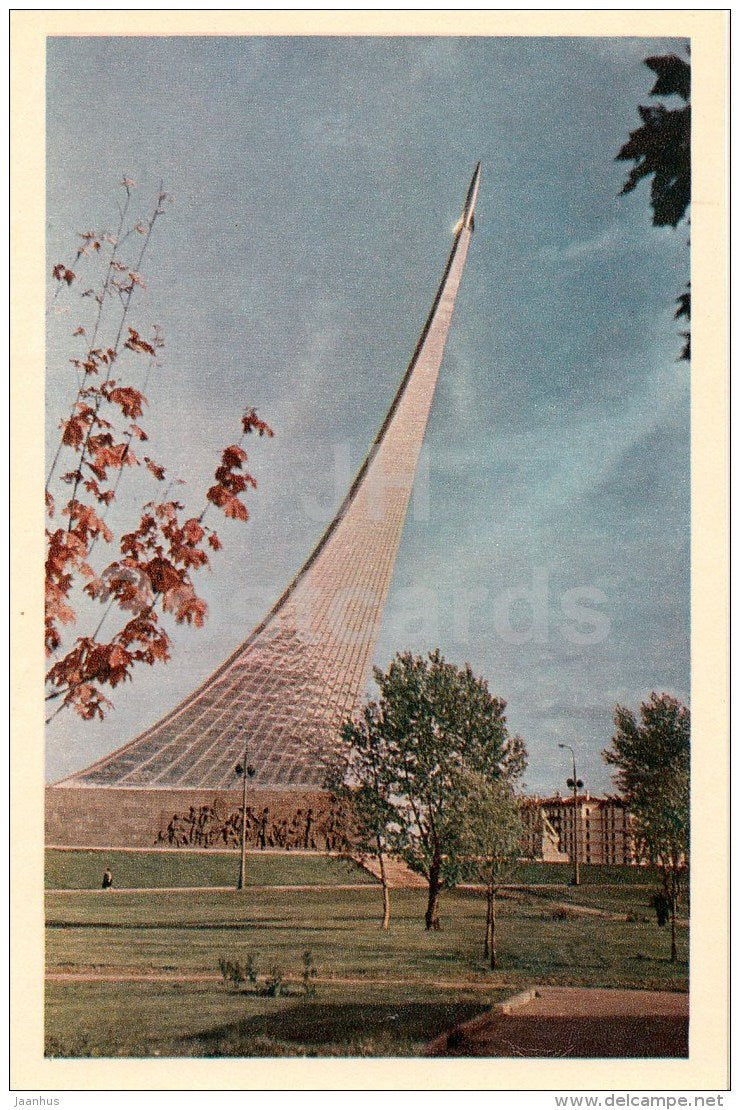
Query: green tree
[[489, 841], [661, 150], [433, 722], [652, 761], [367, 783]]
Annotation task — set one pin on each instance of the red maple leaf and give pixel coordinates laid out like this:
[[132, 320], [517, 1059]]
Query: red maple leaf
[[74, 429], [192, 611], [136, 343], [233, 457], [252, 423], [157, 470], [130, 400], [162, 575]]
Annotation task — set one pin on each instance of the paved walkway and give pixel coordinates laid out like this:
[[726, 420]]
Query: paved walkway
[[192, 849], [210, 889], [554, 1022]]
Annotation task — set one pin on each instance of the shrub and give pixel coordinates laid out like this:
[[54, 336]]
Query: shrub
[[309, 975], [238, 973], [275, 983]]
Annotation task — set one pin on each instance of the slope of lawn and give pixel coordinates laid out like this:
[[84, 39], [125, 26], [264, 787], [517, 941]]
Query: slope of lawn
[[83, 869], [531, 872]]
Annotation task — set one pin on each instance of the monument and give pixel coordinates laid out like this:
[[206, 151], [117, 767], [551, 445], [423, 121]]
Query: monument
[[285, 692]]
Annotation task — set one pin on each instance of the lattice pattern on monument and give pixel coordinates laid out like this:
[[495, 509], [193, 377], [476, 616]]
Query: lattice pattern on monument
[[288, 688]]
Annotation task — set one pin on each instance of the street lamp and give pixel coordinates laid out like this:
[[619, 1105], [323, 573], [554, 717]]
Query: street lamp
[[246, 771], [576, 784]]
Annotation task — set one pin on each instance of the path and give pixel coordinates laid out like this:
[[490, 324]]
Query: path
[[563, 1022], [210, 889], [125, 975], [192, 849]]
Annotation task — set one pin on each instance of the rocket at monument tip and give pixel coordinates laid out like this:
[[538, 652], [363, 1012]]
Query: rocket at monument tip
[[471, 199], [466, 219]]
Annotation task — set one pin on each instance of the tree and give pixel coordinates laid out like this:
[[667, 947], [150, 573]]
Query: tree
[[661, 150], [433, 722], [157, 547], [367, 784], [652, 761], [489, 842]]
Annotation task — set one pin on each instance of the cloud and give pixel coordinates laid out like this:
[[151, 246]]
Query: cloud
[[606, 242], [612, 240]]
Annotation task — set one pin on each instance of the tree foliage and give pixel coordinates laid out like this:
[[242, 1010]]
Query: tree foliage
[[489, 842], [365, 780], [433, 722], [661, 147], [661, 150], [136, 573], [652, 759]]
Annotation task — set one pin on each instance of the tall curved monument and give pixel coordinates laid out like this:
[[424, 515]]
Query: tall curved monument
[[285, 692]]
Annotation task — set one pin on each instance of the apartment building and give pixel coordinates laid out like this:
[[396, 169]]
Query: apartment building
[[601, 827]]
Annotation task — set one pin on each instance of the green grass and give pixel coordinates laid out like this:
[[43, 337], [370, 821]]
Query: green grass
[[205, 1019], [387, 994], [591, 874], [625, 899], [76, 869], [634, 900], [83, 869], [188, 931]]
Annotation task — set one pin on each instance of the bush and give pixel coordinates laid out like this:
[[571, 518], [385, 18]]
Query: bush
[[244, 976], [309, 975], [238, 973], [274, 985]]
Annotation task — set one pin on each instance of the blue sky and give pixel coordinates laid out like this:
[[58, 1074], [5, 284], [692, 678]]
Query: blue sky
[[316, 183]]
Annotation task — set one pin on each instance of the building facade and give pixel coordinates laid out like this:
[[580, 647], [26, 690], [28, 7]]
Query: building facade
[[600, 827]]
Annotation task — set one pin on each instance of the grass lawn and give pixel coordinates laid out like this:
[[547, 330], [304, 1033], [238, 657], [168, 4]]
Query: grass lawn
[[442, 976], [628, 899], [207, 1019], [591, 874], [83, 869], [75, 869], [625, 900]]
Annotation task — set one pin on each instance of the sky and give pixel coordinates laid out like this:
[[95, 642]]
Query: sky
[[316, 182]]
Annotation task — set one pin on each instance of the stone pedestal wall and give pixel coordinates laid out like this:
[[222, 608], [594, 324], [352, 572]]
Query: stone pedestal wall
[[109, 817]]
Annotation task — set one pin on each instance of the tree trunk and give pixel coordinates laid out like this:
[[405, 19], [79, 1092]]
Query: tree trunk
[[489, 911], [431, 917], [493, 929], [386, 890], [674, 949]]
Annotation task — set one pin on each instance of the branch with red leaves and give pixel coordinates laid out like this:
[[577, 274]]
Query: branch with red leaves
[[151, 574]]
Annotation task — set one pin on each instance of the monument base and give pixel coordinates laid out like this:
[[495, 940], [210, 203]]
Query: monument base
[[118, 817]]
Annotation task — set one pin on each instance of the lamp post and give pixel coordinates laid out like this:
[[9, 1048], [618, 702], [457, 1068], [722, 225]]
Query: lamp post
[[246, 771], [576, 783]]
